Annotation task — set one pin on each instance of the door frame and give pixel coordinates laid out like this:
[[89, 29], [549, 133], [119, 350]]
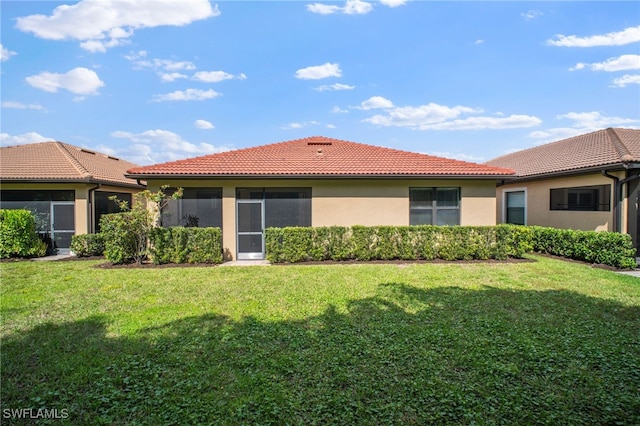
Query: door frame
[[250, 255], [54, 230]]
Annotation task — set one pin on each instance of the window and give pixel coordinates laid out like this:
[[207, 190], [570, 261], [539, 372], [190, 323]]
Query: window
[[515, 210], [198, 208], [37, 201], [287, 207], [282, 206], [103, 205], [582, 198], [434, 206]]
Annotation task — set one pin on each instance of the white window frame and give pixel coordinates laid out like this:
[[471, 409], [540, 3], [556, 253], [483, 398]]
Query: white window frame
[[504, 203]]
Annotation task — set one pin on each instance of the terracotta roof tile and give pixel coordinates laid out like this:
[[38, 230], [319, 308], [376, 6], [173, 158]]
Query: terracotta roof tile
[[601, 148], [57, 161], [319, 156]]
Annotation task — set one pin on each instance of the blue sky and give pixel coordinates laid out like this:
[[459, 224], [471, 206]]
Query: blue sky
[[159, 80]]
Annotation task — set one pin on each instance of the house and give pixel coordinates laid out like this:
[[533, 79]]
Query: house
[[319, 181], [588, 182], [66, 186]]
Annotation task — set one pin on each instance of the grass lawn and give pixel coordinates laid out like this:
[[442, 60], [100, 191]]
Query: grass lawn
[[544, 342]]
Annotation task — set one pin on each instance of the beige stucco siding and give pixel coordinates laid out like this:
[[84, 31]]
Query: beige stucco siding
[[346, 202], [538, 211]]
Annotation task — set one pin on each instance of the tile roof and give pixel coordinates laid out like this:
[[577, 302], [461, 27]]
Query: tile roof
[[607, 147], [61, 162], [319, 156]]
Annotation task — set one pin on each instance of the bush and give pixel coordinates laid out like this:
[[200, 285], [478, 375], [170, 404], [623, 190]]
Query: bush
[[606, 248], [18, 236], [185, 245], [86, 245], [125, 236], [425, 242]]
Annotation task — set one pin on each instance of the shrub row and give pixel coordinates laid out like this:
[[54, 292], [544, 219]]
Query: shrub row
[[18, 235], [607, 248], [185, 245], [86, 245], [297, 244]]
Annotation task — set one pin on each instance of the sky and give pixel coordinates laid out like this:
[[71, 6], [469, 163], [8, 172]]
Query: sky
[[151, 81]]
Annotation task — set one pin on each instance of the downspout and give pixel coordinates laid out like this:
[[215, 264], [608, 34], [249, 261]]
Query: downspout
[[616, 200], [90, 203]]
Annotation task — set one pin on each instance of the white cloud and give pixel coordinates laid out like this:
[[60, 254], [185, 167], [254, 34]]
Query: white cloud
[[337, 110], [433, 116], [103, 24], [375, 102], [595, 120], [531, 14], [331, 126], [319, 72], [351, 7], [418, 116], [621, 63], [479, 41], [626, 79], [6, 53], [154, 146], [458, 156], [203, 124], [620, 38], [81, 81], [292, 126], [393, 3], [216, 76], [335, 86], [171, 76], [515, 121], [579, 124], [31, 137], [187, 95], [20, 105]]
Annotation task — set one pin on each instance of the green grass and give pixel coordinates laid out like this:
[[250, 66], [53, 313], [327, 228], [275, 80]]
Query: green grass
[[544, 342]]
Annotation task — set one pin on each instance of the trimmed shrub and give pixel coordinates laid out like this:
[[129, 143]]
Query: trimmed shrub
[[606, 248], [424, 242], [86, 245], [185, 245], [125, 236], [18, 235]]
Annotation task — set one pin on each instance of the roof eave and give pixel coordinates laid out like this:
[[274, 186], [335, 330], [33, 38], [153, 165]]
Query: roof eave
[[84, 181], [573, 172], [316, 176]]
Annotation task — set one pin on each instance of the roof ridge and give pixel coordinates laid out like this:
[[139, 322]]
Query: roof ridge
[[619, 146], [73, 160]]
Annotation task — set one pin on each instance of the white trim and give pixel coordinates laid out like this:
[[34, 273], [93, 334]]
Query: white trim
[[504, 203]]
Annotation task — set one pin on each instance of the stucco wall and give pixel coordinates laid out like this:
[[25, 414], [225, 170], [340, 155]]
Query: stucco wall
[[353, 201], [538, 210]]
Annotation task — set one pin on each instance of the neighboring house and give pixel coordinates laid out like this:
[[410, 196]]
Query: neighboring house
[[585, 182], [67, 187], [319, 181]]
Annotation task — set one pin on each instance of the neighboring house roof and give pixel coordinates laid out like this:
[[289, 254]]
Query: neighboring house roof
[[61, 162], [603, 149], [319, 156]]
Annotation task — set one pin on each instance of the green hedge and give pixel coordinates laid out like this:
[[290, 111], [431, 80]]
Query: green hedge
[[446, 243], [125, 236], [607, 248], [86, 245], [18, 235], [297, 244], [185, 245]]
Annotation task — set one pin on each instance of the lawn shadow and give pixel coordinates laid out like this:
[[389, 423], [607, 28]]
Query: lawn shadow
[[406, 356]]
